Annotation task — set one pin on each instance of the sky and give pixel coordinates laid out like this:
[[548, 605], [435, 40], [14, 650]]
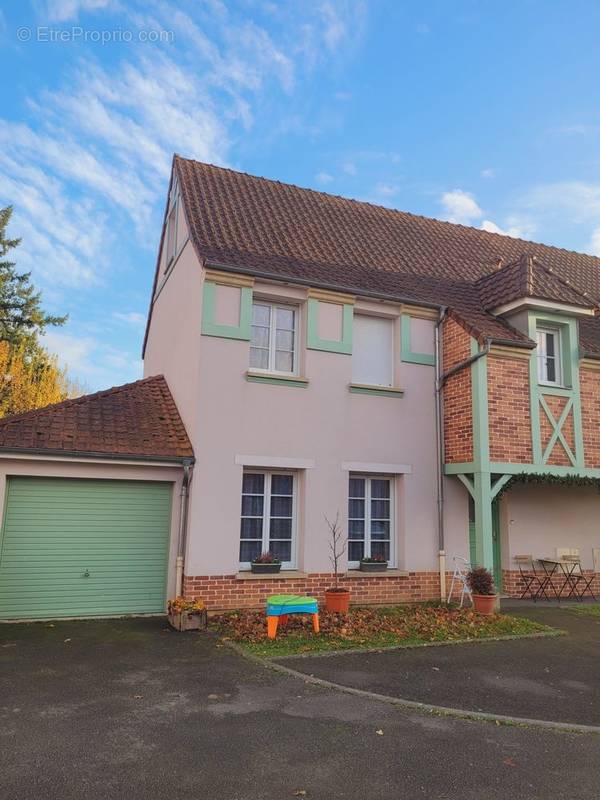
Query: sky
[[482, 113]]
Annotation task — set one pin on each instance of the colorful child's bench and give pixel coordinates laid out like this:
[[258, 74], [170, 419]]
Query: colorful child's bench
[[280, 606]]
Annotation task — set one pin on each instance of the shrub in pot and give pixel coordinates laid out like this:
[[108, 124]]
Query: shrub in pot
[[373, 564], [481, 584], [337, 599], [265, 564], [187, 615]]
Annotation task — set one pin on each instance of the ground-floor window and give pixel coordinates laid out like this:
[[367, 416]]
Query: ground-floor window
[[370, 518], [268, 516]]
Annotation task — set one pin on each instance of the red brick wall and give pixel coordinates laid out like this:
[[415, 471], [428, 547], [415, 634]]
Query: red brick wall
[[221, 592], [513, 585], [508, 410], [590, 415], [458, 414]]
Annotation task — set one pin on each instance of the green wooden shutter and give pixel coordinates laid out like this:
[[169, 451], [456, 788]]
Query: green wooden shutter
[[72, 548]]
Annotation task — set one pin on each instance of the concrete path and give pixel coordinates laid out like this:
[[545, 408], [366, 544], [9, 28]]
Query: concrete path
[[554, 679], [129, 709]]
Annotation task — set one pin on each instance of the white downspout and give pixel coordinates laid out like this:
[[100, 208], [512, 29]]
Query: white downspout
[[183, 508]]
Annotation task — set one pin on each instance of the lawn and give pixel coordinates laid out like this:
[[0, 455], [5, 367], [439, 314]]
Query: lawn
[[591, 609], [366, 628]]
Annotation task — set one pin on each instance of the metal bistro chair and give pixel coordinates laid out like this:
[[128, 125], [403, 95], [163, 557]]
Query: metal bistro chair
[[577, 578], [459, 578], [534, 583]]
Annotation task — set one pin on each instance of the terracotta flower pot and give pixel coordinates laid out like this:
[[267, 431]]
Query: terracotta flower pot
[[337, 600], [485, 603]]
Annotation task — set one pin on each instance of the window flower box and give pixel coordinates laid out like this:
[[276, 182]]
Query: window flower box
[[373, 565], [265, 564], [187, 615]]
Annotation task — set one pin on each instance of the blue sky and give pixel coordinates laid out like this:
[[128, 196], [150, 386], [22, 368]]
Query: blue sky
[[484, 113]]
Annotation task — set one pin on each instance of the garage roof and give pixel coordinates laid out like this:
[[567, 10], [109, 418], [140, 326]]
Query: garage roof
[[138, 420]]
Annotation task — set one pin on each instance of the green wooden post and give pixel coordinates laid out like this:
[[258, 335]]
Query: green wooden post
[[484, 540]]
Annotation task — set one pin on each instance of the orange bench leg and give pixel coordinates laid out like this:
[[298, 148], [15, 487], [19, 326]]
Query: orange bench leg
[[283, 618], [315, 623], [272, 627]]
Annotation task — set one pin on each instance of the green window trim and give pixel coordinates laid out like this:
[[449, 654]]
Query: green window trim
[[277, 380], [313, 342], [538, 391], [211, 328], [406, 354], [381, 391]]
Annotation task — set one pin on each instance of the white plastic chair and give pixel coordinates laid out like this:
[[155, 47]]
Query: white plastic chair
[[459, 578]]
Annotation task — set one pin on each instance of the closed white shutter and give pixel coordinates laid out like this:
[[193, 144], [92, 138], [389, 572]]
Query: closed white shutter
[[372, 351]]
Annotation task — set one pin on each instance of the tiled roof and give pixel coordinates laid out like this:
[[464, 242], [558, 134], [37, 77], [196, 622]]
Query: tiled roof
[[284, 231], [527, 277], [138, 420]]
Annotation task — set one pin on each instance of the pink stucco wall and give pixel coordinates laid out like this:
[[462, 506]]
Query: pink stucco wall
[[324, 424], [84, 468], [536, 519]]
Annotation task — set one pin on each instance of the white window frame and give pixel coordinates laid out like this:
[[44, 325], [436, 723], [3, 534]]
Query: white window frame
[[270, 368], [392, 322], [268, 475], [542, 366], [368, 477]]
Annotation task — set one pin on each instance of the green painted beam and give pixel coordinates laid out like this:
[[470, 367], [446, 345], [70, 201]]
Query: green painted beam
[[314, 342], [210, 328]]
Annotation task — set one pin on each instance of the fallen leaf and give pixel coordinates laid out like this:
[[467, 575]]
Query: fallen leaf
[[437, 669], [509, 762], [299, 792], [67, 640], [137, 696], [379, 732]]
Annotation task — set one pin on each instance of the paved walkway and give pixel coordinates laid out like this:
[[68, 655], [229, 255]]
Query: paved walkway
[[551, 679], [129, 709]]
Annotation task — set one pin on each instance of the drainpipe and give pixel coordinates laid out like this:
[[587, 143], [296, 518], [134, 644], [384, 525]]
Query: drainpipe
[[440, 380], [440, 452], [181, 543]]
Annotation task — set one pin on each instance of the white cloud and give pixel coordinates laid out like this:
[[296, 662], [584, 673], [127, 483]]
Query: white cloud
[[131, 318], [91, 360], [350, 168], [323, 178], [385, 189], [65, 10], [517, 230], [488, 173], [460, 207]]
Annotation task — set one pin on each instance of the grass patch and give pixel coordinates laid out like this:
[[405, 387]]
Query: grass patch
[[366, 628], [588, 609]]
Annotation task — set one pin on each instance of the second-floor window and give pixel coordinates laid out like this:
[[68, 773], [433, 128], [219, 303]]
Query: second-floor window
[[373, 351], [549, 356], [273, 346], [171, 232]]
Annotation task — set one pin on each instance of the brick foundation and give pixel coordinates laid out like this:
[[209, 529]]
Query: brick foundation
[[513, 585], [222, 592]]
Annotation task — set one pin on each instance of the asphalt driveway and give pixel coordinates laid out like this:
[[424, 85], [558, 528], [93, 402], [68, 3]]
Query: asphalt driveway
[[114, 709], [555, 679]]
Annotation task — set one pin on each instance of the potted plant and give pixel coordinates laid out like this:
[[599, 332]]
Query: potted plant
[[265, 564], [373, 564], [337, 599], [481, 584], [187, 615]]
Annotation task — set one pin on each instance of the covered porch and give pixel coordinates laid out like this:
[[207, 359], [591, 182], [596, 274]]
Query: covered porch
[[547, 516]]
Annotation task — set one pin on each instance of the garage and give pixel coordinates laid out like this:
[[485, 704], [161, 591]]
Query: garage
[[90, 526], [83, 547]]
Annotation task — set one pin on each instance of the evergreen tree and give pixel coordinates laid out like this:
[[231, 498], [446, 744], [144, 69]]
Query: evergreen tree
[[21, 315]]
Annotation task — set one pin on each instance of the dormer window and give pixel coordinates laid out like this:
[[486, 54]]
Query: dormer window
[[549, 356]]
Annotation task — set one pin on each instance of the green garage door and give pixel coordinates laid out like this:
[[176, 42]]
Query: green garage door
[[74, 548]]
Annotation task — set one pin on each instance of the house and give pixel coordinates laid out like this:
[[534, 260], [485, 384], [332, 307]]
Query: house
[[308, 357]]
